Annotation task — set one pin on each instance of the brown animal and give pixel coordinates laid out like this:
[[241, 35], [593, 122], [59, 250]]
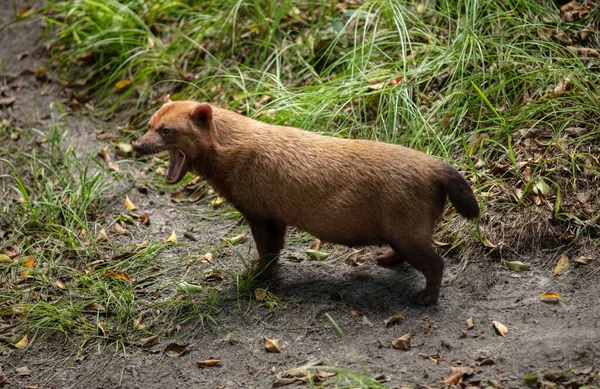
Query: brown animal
[[350, 192]]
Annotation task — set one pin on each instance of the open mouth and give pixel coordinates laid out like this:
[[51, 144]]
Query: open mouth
[[176, 166]]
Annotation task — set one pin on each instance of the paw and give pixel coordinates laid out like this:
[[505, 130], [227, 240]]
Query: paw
[[258, 271]]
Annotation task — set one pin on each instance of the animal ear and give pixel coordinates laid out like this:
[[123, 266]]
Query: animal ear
[[202, 115], [167, 99]]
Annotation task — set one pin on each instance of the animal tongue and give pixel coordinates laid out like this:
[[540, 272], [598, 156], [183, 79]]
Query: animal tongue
[[176, 161]]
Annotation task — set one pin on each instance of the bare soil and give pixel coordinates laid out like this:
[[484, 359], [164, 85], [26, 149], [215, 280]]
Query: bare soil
[[542, 338]]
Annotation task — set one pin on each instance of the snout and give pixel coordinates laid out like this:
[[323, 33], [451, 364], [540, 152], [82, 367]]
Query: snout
[[144, 146]]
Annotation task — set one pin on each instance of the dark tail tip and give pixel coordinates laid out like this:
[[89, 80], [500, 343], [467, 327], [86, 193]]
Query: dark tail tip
[[460, 194]]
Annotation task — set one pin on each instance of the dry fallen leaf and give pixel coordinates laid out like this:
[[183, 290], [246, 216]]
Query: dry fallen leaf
[[428, 328], [550, 297], [147, 342], [397, 318], [583, 260], [456, 374], [172, 238], [272, 345], [121, 84], [117, 274], [517, 266], [102, 327], [130, 206], [403, 342], [175, 350], [501, 328], [94, 307], [208, 363], [260, 294], [562, 266], [28, 263], [5, 259], [22, 343], [469, 323], [316, 244], [60, 284]]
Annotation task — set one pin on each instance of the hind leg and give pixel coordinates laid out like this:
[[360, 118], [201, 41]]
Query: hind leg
[[269, 236], [424, 258]]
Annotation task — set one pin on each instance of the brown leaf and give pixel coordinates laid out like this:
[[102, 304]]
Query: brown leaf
[[215, 276], [584, 260], [403, 342], [428, 328], [562, 266], [119, 229], [7, 100], [197, 195], [147, 342], [501, 328], [117, 274], [28, 263], [272, 345], [208, 363], [175, 350], [144, 219], [95, 307], [60, 284], [397, 318], [456, 374], [316, 244], [41, 73], [469, 323], [260, 294]]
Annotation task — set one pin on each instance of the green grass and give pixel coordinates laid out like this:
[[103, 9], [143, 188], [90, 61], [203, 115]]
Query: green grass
[[490, 87], [72, 274]]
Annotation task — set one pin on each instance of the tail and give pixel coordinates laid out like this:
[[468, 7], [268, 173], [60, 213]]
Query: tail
[[460, 194]]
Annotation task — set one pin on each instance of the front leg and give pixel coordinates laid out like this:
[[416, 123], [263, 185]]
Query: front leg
[[269, 236]]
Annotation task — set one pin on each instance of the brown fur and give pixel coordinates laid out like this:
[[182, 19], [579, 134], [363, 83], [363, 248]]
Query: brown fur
[[351, 192]]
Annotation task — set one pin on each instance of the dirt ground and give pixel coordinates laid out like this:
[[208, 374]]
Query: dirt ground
[[542, 338]]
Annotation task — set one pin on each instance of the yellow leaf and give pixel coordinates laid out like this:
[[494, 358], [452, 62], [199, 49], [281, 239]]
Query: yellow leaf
[[501, 328], [172, 238], [22, 343], [208, 363], [562, 266], [393, 319], [272, 345], [550, 297], [5, 259], [130, 206], [60, 284], [28, 262], [121, 84]]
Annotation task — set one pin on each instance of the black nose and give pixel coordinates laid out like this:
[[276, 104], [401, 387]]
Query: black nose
[[139, 147]]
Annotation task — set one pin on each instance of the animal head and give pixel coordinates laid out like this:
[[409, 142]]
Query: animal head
[[184, 129]]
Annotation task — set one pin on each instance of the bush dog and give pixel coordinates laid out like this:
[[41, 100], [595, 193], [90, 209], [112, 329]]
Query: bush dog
[[345, 191]]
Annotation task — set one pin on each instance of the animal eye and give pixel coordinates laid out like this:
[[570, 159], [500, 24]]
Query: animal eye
[[165, 131]]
